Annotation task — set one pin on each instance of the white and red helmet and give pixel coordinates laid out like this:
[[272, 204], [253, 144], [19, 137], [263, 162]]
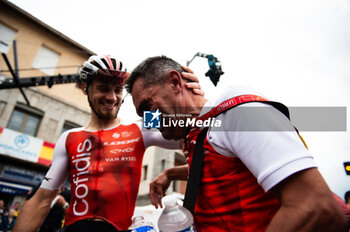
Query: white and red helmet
[[103, 65]]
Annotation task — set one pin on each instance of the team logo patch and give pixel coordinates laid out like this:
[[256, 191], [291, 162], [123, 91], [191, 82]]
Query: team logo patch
[[126, 134], [47, 179], [151, 119]]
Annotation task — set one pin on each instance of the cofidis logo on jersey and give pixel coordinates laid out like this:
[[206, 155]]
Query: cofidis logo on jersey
[[151, 119]]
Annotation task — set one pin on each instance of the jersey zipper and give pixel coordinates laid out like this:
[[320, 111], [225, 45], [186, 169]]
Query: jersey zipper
[[97, 168]]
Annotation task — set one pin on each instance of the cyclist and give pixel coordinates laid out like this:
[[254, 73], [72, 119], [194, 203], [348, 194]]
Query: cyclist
[[103, 160]]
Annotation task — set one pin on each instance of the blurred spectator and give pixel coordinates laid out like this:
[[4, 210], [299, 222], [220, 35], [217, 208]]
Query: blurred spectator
[[3, 215], [2, 207], [54, 220], [9, 221], [347, 199], [344, 208], [16, 207]]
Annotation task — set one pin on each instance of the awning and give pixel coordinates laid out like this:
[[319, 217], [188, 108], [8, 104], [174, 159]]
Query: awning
[[12, 188]]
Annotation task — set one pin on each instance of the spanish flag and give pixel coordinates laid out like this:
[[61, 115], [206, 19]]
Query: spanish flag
[[46, 153]]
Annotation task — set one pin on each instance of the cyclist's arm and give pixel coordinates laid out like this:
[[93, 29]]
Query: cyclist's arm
[[36, 209], [59, 170], [155, 138]]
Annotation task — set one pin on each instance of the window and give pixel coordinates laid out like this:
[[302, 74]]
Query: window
[[25, 119], [175, 186], [46, 60], [144, 172], [69, 125], [162, 165], [7, 35]]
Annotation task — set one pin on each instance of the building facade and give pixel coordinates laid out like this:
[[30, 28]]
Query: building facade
[[28, 133], [156, 160]]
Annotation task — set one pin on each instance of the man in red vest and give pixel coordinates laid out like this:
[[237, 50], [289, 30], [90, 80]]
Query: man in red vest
[[257, 174]]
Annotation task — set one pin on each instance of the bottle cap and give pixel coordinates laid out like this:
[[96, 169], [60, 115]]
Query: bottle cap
[[170, 200], [138, 218]]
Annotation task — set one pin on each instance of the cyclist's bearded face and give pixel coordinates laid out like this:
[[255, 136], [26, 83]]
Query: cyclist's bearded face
[[106, 97]]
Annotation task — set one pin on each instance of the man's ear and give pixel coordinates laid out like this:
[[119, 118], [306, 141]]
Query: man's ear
[[175, 80], [83, 87]]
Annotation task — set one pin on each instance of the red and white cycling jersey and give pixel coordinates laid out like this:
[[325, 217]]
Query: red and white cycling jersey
[[104, 171]]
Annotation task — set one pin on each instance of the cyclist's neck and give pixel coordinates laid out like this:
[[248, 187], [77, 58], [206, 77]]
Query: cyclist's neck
[[102, 124]]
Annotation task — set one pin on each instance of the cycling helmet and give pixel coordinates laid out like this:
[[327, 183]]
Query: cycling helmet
[[102, 66]]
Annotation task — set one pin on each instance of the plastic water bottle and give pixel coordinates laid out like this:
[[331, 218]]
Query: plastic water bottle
[[140, 225], [175, 217]]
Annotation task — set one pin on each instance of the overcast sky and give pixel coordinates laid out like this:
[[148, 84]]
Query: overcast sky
[[296, 52]]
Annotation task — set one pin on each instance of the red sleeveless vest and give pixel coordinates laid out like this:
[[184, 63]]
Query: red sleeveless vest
[[229, 197]]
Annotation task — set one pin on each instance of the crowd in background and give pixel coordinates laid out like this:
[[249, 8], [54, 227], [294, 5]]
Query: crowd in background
[[52, 223], [8, 216]]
